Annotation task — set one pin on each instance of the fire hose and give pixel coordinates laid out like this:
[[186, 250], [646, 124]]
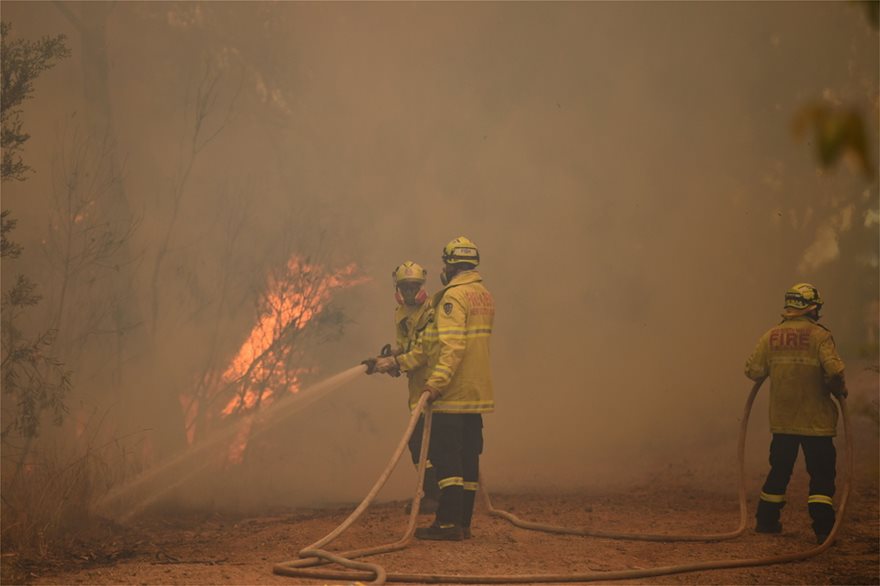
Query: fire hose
[[314, 555]]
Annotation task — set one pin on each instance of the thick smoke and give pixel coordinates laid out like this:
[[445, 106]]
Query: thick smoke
[[628, 171]]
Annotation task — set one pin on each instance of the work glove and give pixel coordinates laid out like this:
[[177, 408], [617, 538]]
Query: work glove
[[372, 363], [837, 386], [387, 364]]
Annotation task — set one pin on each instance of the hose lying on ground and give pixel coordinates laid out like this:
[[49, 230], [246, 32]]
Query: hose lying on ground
[[313, 555]]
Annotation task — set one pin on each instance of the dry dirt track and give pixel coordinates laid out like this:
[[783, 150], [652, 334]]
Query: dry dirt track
[[212, 548], [216, 549]]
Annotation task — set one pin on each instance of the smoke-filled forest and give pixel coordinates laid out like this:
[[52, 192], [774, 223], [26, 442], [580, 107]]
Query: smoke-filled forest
[[203, 204]]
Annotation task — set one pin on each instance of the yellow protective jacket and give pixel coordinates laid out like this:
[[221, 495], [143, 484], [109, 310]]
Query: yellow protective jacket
[[455, 347], [410, 324], [801, 360]]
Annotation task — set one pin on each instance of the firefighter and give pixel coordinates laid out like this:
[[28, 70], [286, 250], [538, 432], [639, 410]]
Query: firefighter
[[801, 360], [411, 318], [456, 349]]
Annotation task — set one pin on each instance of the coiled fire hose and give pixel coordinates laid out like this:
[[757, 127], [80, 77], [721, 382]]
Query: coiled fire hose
[[313, 555]]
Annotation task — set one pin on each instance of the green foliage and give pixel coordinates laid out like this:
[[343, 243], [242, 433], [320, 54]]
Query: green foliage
[[872, 9], [31, 376], [8, 248], [21, 62], [22, 294], [836, 132], [33, 379], [38, 382]]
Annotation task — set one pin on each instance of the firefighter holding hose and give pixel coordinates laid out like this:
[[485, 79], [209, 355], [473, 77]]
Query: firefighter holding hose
[[805, 369], [412, 316], [455, 347]]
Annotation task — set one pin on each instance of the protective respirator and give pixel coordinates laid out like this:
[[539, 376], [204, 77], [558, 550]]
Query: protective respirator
[[420, 297]]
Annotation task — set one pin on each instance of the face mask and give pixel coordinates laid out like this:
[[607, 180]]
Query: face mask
[[418, 299]]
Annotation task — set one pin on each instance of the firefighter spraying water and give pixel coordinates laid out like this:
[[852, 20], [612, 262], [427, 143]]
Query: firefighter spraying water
[[453, 351], [412, 316]]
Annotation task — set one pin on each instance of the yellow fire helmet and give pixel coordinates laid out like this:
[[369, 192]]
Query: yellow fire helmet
[[461, 250], [409, 271], [803, 296]]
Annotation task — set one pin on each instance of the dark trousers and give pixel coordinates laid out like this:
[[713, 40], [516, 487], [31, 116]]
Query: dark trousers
[[821, 459], [415, 440], [456, 445]]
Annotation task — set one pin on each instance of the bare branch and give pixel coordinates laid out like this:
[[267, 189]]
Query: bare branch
[[73, 18]]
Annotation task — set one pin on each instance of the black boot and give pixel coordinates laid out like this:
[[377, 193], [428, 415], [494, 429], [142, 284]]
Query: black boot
[[767, 517], [823, 520], [447, 525], [438, 533]]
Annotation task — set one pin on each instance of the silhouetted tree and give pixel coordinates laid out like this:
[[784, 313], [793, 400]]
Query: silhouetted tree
[[22, 62], [33, 381]]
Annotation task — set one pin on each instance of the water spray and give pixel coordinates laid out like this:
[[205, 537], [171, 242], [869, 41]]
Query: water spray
[[131, 498]]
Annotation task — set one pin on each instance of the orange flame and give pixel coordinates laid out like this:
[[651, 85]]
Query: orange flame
[[261, 369]]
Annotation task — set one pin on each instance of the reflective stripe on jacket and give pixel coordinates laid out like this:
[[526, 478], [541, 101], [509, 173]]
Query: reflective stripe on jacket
[[410, 324], [800, 358], [455, 346]]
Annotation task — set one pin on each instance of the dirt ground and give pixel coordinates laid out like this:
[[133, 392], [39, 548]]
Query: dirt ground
[[221, 549]]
